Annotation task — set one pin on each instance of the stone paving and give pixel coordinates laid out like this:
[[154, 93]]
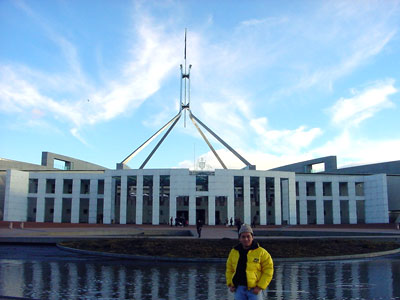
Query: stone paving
[[30, 231]]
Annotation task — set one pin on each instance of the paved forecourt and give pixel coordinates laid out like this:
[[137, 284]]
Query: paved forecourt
[[56, 232]]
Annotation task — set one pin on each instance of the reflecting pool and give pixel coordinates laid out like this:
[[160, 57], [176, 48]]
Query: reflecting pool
[[45, 272]]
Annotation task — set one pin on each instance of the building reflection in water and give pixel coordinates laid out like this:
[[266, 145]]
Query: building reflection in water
[[132, 280]]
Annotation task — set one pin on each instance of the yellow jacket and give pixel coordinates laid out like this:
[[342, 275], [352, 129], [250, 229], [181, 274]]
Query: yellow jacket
[[259, 268]]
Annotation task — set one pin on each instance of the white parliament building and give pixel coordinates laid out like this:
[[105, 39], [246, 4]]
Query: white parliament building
[[82, 192]]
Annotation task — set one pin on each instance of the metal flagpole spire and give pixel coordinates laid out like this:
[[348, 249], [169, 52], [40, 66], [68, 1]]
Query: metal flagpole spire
[[185, 84], [184, 106]]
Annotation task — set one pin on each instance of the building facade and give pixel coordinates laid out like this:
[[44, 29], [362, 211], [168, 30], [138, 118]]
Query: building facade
[[154, 196]]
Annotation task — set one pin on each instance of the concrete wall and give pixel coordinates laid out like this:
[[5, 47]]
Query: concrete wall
[[302, 167], [2, 193], [392, 168], [16, 200], [376, 199], [47, 164], [340, 206], [76, 164], [6, 164], [394, 192]]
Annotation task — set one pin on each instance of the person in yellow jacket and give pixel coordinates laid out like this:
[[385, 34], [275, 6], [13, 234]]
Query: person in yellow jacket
[[249, 268]]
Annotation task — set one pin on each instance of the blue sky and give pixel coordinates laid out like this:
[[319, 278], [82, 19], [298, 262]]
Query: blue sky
[[280, 81]]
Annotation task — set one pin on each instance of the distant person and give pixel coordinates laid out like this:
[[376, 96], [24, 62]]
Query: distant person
[[171, 221], [238, 223], [231, 221], [199, 227], [249, 268], [253, 224], [397, 222]]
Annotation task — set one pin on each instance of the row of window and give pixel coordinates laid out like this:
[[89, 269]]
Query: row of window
[[327, 188], [201, 185], [67, 186]]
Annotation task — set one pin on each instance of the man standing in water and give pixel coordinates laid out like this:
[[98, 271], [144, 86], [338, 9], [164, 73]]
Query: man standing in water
[[249, 268]]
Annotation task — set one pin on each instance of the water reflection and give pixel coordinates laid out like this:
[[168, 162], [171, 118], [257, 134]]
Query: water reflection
[[110, 279]]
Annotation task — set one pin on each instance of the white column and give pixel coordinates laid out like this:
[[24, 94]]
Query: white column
[[231, 198], [335, 202], [278, 201], [40, 200], [139, 200], [263, 202], [76, 190], [246, 200], [58, 200], [211, 209], [123, 200], [172, 206], [156, 200], [319, 202], [172, 197], [303, 202], [94, 186], [352, 202], [292, 200], [192, 208], [108, 198]]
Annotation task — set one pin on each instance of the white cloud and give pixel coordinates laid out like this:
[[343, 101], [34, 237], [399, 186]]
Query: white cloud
[[68, 49], [284, 141], [262, 160], [352, 111], [271, 21], [335, 40], [25, 89], [75, 133], [351, 149], [361, 50]]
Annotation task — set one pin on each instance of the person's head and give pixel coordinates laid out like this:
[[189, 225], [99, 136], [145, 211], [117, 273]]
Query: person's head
[[246, 236]]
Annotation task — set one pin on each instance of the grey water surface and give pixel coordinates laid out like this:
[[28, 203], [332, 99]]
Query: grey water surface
[[46, 272]]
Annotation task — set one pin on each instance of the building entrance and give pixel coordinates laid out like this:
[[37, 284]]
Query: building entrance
[[201, 215]]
